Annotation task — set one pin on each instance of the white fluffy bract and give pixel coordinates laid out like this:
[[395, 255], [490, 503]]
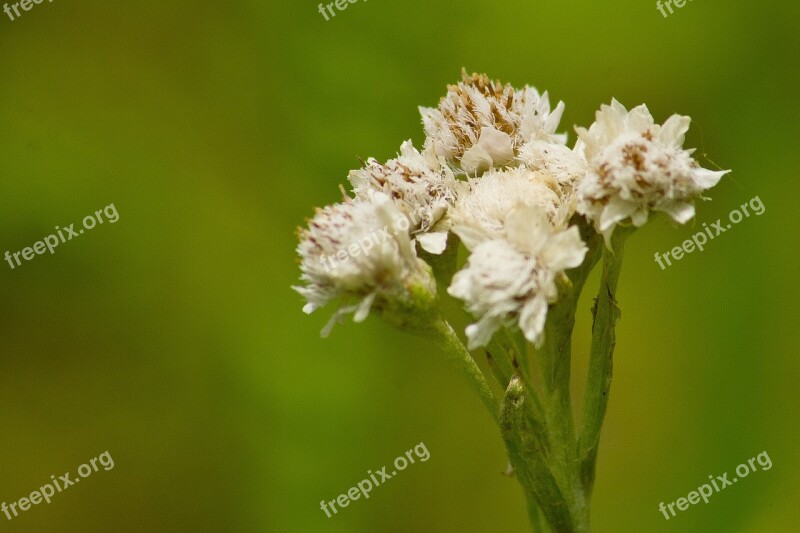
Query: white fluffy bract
[[419, 184], [512, 280], [637, 166], [481, 213], [481, 123], [354, 251], [565, 166]]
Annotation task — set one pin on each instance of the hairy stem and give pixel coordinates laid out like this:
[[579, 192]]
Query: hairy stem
[[529, 463], [554, 360], [448, 341], [601, 359]]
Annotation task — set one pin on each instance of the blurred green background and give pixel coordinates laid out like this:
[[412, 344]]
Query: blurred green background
[[172, 339]]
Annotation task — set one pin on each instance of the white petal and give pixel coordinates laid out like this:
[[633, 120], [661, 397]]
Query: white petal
[[640, 118], [586, 144], [407, 149], [476, 160], [499, 145], [363, 308], [612, 118], [639, 217], [618, 107], [532, 320], [480, 333], [681, 212], [471, 236], [565, 250], [434, 243], [617, 209], [551, 124], [335, 318], [527, 227], [460, 285], [708, 178], [674, 129]]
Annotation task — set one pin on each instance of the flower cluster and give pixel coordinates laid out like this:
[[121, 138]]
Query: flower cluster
[[494, 172]]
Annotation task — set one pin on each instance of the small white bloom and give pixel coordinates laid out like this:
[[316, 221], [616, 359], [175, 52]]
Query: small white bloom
[[637, 166], [481, 213], [512, 280], [420, 185], [481, 123], [568, 167], [354, 251]]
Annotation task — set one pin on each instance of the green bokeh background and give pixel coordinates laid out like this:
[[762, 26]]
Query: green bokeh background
[[172, 339]]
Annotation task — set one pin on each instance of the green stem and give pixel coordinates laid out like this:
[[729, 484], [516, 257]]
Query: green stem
[[500, 362], [529, 462], [601, 359], [508, 359], [537, 519], [448, 341], [555, 361], [534, 513]]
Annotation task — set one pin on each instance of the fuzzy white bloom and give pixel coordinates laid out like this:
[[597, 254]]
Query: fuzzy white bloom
[[357, 251], [420, 185], [481, 123], [637, 166], [568, 167], [481, 213], [512, 280]]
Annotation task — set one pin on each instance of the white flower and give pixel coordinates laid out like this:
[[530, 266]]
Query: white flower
[[568, 167], [481, 123], [481, 213], [355, 251], [512, 280], [420, 185], [637, 166]]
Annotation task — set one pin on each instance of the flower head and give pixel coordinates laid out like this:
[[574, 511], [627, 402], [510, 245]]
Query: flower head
[[420, 185], [481, 213], [555, 162], [481, 123], [512, 280], [637, 166], [356, 251]]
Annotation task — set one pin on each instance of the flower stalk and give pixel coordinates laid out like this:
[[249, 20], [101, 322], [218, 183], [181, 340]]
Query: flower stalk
[[447, 340], [554, 360], [606, 313]]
